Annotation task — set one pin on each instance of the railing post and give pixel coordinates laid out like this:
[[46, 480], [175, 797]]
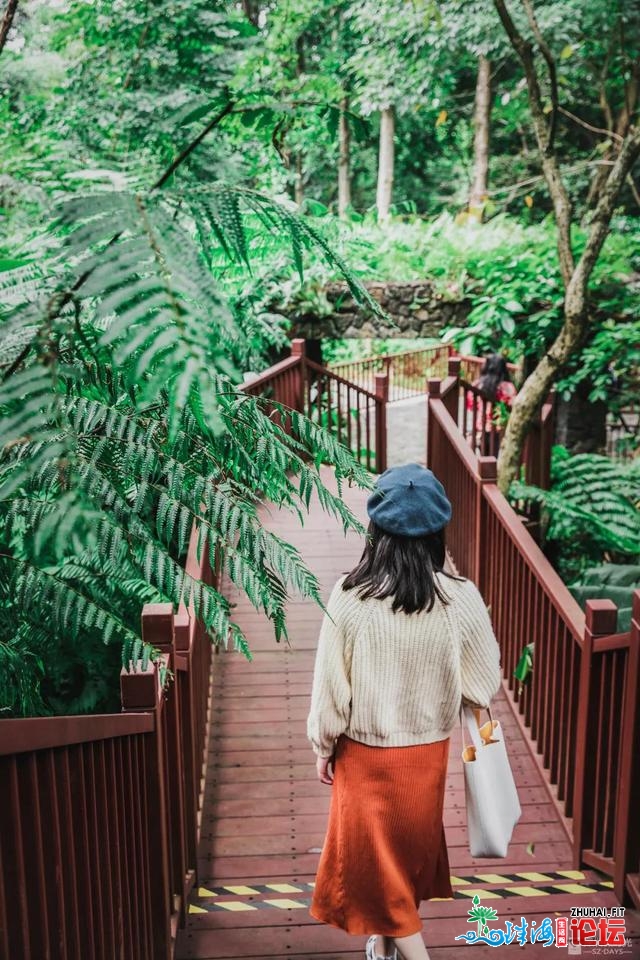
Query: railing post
[[158, 629], [452, 398], [141, 691], [601, 620], [382, 396], [186, 680], [626, 843], [453, 366], [299, 349], [487, 473], [433, 393]]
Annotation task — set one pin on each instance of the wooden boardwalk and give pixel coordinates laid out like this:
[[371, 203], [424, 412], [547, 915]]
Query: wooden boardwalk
[[265, 812]]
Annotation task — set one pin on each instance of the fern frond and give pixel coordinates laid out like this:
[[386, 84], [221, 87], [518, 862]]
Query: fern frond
[[67, 607], [592, 497], [123, 427]]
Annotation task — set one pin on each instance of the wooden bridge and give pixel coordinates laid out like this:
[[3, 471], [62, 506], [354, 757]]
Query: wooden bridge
[[190, 826]]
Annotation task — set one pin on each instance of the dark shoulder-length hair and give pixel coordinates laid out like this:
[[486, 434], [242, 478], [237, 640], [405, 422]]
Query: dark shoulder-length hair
[[400, 567], [494, 372]]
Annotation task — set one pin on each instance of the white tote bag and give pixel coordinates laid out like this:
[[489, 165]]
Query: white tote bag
[[493, 808]]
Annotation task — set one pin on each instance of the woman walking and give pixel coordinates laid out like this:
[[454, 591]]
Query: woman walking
[[498, 393], [402, 646]]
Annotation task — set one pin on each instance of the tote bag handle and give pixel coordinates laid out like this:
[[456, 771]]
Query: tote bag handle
[[468, 713]]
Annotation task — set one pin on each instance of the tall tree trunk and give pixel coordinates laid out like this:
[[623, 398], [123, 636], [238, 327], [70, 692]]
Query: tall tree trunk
[[344, 160], [385, 163], [7, 21], [481, 121]]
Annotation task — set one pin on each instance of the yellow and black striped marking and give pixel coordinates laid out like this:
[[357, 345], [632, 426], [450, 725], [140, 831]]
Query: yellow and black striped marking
[[561, 881]]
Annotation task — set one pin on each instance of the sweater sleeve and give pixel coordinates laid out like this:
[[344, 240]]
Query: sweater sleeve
[[331, 691], [480, 672]]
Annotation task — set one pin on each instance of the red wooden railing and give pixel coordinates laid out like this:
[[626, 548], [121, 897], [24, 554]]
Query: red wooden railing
[[354, 415], [406, 371], [581, 706], [100, 817], [101, 814]]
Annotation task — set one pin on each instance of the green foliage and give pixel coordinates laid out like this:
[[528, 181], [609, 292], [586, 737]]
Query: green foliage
[[610, 581], [130, 315], [591, 513], [524, 666], [123, 428], [507, 271]]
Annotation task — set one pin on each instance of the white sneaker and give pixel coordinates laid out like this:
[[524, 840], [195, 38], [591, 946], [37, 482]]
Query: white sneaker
[[371, 954]]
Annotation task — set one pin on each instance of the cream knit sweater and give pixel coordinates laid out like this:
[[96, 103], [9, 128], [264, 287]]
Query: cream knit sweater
[[395, 679]]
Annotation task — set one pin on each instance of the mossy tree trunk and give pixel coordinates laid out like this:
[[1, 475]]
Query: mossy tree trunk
[[575, 273]]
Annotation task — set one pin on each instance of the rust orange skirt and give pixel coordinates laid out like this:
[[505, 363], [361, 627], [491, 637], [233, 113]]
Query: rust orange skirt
[[385, 847]]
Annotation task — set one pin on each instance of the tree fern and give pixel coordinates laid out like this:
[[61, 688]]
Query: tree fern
[[122, 428], [611, 581], [592, 510]]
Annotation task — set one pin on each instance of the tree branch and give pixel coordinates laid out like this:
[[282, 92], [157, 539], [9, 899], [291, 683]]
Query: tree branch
[[551, 66], [622, 166], [602, 89], [7, 21], [182, 156], [589, 126], [550, 167]]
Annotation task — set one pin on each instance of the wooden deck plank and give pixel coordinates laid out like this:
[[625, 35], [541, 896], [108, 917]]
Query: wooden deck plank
[[256, 823], [226, 811], [299, 843], [459, 859], [265, 812]]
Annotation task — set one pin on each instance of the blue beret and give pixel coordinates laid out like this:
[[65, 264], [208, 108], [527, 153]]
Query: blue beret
[[409, 501]]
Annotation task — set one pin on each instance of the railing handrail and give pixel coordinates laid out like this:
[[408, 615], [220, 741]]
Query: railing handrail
[[271, 373], [476, 391], [472, 358], [325, 371], [613, 641], [450, 427], [388, 356], [472, 388], [23, 734], [557, 591], [586, 739]]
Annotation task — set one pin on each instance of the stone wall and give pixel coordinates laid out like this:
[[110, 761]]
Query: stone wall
[[416, 307]]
